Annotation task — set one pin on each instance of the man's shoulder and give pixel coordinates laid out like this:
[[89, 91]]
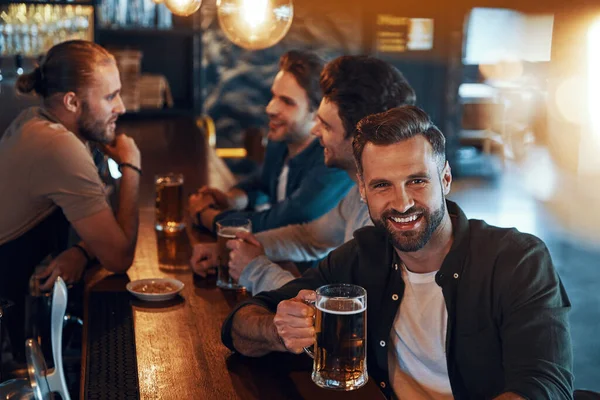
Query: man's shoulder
[[484, 234]]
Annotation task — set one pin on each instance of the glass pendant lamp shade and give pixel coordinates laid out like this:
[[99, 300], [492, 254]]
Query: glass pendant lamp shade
[[255, 24], [183, 7]]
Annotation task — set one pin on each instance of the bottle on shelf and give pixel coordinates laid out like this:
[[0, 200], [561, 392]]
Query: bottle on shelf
[[31, 29], [134, 14]]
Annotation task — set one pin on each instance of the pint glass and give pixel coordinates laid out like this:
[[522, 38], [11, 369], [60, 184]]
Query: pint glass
[[340, 350], [169, 203], [226, 230]]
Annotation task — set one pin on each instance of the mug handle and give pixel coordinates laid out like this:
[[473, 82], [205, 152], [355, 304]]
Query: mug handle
[[309, 350]]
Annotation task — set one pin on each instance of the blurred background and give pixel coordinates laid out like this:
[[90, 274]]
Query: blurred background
[[514, 85]]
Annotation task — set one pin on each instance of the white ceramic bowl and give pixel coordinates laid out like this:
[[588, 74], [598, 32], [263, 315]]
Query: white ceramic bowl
[[157, 289]]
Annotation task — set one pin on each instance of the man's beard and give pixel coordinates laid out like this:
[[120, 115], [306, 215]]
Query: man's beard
[[92, 129], [411, 241]]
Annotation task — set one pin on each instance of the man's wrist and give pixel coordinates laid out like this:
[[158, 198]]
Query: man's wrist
[[130, 166], [279, 343], [198, 213], [208, 217]]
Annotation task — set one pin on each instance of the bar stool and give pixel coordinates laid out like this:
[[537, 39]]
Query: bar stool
[[42, 381]]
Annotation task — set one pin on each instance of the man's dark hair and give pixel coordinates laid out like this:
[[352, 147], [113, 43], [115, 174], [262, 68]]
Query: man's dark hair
[[394, 126], [67, 67], [306, 68], [363, 85]]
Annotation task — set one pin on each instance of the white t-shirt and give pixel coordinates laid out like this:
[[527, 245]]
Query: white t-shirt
[[282, 183], [417, 356]]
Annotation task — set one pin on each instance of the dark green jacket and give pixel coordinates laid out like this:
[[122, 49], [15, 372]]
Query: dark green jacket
[[507, 327]]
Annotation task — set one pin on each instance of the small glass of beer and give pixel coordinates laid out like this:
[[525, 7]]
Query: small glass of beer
[[226, 230], [169, 203], [340, 350]]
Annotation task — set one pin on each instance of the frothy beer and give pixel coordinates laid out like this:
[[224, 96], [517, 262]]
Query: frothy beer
[[226, 230], [223, 252], [340, 348], [169, 203]]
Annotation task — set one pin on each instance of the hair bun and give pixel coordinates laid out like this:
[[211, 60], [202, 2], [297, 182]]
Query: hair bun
[[30, 82]]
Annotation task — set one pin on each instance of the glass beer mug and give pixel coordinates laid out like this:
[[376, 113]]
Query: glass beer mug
[[340, 350]]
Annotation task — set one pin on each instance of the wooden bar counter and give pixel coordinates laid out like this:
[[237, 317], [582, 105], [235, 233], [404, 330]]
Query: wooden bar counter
[[178, 343]]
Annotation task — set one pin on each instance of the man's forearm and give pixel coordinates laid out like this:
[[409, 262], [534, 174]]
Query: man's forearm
[[253, 332], [128, 211]]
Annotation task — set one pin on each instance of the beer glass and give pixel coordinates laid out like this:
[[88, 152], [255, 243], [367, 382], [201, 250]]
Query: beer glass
[[340, 350], [226, 230], [169, 203]]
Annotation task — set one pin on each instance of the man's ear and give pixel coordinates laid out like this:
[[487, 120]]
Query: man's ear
[[71, 102], [446, 178]]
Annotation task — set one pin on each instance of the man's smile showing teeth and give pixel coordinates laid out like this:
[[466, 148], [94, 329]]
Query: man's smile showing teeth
[[405, 220]]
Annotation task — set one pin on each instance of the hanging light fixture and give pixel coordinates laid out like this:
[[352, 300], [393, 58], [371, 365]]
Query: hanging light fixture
[[255, 24], [183, 7]]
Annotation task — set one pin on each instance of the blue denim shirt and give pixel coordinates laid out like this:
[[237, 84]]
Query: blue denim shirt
[[312, 188]]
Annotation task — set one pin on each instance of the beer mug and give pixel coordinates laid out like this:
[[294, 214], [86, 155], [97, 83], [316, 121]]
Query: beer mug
[[226, 230], [340, 349], [169, 203]]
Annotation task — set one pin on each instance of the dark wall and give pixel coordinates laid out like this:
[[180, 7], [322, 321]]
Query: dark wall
[[237, 81]]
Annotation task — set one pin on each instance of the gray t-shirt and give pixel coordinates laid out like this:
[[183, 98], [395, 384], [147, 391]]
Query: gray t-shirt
[[44, 166]]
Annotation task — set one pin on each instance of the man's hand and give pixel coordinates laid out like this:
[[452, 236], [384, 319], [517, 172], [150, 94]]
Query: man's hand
[[295, 323], [199, 203], [69, 265], [123, 150], [220, 198], [204, 258], [243, 250]]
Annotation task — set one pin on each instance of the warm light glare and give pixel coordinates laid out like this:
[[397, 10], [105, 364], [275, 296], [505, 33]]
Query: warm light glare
[[593, 72], [569, 100], [231, 152], [183, 7], [255, 12], [502, 70], [255, 24]]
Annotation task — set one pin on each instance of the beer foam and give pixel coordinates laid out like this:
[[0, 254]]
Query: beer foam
[[170, 184], [336, 312], [229, 233]]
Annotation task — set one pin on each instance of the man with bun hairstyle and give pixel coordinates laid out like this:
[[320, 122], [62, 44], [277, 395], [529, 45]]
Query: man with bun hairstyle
[[49, 182]]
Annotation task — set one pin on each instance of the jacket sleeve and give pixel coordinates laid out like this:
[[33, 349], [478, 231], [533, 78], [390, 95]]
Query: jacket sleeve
[[261, 275], [321, 190], [305, 242], [311, 280], [255, 188], [534, 325]]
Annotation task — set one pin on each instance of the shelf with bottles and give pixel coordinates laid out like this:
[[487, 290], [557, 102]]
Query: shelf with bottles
[[51, 2], [31, 29], [142, 16]]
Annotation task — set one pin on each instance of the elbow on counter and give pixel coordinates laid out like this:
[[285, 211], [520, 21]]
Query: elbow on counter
[[119, 261]]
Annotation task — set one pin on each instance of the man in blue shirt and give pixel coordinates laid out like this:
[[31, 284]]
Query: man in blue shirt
[[295, 180]]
